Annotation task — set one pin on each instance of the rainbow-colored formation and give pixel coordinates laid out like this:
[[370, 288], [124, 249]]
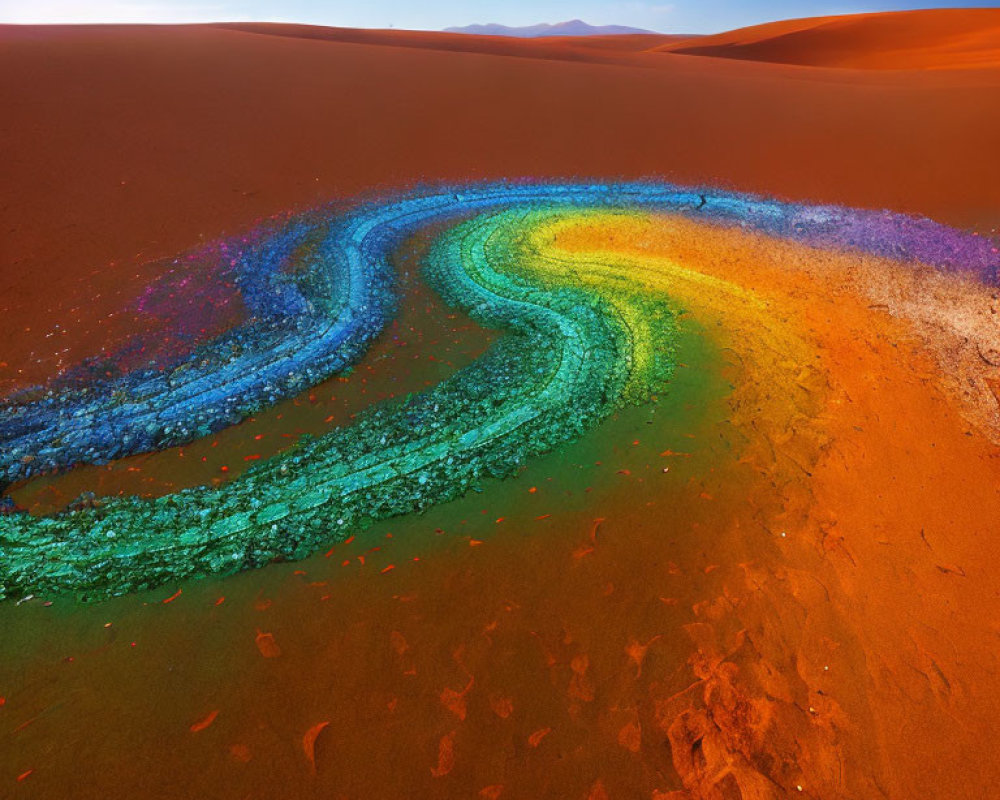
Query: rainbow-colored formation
[[586, 333], [314, 298]]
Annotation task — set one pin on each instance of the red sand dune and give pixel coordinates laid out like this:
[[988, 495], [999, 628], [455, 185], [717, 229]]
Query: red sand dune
[[594, 49], [934, 39], [125, 144]]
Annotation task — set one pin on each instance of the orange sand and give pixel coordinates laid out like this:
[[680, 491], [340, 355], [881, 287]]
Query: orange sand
[[934, 39], [683, 648], [894, 530]]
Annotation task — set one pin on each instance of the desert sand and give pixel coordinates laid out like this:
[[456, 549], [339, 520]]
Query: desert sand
[[850, 652], [934, 39]]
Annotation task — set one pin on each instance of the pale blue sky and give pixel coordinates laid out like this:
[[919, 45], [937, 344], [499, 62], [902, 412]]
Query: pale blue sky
[[682, 16]]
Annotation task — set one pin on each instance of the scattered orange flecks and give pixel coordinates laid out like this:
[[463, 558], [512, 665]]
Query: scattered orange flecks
[[446, 756], [309, 743], [201, 724], [267, 646], [503, 707], [580, 686], [637, 652], [399, 643], [454, 701], [536, 738], [581, 551], [240, 752], [630, 736], [173, 597], [28, 722]]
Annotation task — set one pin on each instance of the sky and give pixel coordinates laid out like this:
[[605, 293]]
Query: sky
[[676, 16]]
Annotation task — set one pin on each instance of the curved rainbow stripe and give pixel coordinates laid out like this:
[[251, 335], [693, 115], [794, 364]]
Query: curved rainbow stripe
[[315, 301], [586, 333]]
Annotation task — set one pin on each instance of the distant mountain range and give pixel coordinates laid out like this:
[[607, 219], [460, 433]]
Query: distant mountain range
[[575, 27]]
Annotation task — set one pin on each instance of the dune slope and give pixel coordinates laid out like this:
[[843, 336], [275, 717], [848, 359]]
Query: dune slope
[[933, 39]]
